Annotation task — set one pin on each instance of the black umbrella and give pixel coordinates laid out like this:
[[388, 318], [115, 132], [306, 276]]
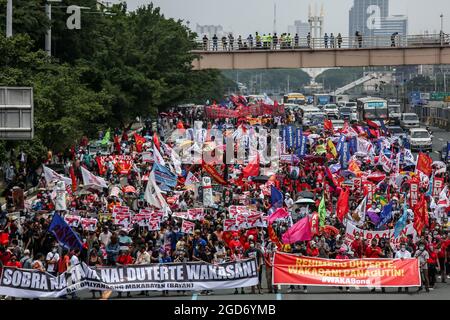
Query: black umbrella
[[306, 194], [260, 179]]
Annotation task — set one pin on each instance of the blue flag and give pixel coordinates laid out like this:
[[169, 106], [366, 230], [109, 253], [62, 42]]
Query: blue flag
[[430, 187], [401, 223], [385, 215], [164, 176], [344, 155], [353, 145], [276, 197], [64, 233], [340, 143], [298, 138]]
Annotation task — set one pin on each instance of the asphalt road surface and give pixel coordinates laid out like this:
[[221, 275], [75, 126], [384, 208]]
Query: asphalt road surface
[[440, 138], [440, 292]]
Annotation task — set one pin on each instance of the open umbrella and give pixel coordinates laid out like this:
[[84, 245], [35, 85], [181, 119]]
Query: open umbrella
[[261, 179], [306, 194], [330, 230], [129, 189], [305, 201], [376, 177]]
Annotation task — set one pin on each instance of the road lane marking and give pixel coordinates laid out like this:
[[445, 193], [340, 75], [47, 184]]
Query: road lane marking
[[279, 296], [436, 152], [440, 139], [194, 296]]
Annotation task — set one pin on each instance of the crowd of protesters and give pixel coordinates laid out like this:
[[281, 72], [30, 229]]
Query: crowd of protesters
[[25, 242]]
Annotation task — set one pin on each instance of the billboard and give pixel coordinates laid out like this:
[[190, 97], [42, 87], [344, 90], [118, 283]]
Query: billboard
[[16, 113]]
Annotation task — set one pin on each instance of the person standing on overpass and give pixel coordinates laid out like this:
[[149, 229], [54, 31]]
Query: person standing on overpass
[[308, 40], [332, 40], [339, 40], [205, 43], [250, 41], [325, 40], [215, 42], [296, 40]]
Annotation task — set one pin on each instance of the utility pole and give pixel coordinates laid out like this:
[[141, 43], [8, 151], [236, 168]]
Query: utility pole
[[288, 84], [48, 35], [9, 12]]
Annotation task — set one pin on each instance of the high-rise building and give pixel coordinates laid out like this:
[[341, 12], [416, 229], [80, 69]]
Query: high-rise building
[[371, 18], [392, 24], [299, 27], [209, 30]]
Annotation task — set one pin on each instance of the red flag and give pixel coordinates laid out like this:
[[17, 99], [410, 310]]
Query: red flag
[[420, 215], [314, 224], [140, 140], [273, 237], [342, 204], [372, 124], [328, 125], [424, 162], [74, 178], [156, 141], [117, 144], [252, 169], [180, 125]]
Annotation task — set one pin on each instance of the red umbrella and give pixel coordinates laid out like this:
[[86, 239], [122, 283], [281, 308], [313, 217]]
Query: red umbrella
[[330, 230], [129, 189], [376, 177]]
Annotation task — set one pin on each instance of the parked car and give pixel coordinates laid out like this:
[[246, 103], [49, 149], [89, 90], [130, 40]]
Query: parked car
[[420, 139]]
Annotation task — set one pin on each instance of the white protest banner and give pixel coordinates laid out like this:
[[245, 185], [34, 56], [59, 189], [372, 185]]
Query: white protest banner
[[254, 221], [196, 214], [230, 225], [123, 220], [188, 227], [147, 157], [120, 210], [180, 215], [192, 276], [154, 224], [352, 230], [72, 220], [142, 219], [89, 224], [438, 185], [207, 192], [233, 211]]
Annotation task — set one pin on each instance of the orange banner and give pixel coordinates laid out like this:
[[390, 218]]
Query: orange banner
[[289, 269], [213, 173]]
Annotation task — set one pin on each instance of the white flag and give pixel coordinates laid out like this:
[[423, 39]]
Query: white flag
[[157, 157], [90, 179], [361, 210], [52, 176], [191, 179], [176, 161], [153, 194]]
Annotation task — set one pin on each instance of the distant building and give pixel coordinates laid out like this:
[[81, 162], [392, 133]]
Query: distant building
[[371, 18], [299, 27], [209, 30], [392, 24]]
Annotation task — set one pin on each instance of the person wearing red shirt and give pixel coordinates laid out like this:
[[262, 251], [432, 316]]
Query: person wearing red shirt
[[123, 260], [433, 265], [13, 262], [443, 257], [357, 247], [373, 251], [312, 251]]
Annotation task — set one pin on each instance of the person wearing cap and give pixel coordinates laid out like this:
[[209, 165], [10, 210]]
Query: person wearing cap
[[288, 201], [422, 255], [26, 260]]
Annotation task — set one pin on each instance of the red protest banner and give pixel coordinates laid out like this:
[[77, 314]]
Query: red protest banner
[[122, 163], [413, 193], [368, 188], [438, 185], [289, 269], [188, 227]]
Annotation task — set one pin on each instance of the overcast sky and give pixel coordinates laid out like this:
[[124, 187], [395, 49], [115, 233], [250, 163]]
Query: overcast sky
[[244, 16]]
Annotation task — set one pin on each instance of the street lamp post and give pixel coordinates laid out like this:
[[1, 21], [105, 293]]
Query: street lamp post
[[441, 34], [9, 11]]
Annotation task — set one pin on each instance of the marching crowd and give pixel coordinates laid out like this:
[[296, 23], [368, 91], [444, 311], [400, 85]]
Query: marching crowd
[[317, 175]]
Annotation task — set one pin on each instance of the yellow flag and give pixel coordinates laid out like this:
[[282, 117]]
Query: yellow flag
[[332, 148]]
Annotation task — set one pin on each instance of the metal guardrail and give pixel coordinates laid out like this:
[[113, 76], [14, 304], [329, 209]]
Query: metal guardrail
[[411, 41]]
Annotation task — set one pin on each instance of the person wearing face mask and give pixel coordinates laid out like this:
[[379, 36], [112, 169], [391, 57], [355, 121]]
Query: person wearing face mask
[[433, 265], [357, 247], [254, 253], [402, 253], [422, 255], [52, 260]]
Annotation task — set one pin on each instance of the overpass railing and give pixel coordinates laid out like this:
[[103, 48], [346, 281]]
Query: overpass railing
[[362, 42]]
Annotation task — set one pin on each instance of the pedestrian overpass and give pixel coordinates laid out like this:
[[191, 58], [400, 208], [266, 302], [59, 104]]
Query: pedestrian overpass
[[350, 52]]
